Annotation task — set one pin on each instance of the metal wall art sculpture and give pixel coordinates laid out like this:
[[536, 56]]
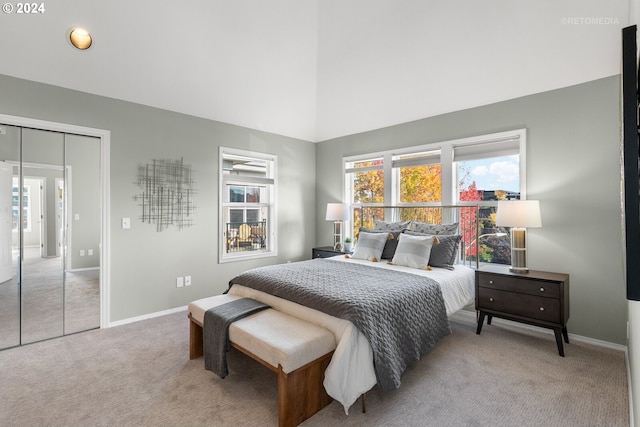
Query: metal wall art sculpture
[[167, 193]]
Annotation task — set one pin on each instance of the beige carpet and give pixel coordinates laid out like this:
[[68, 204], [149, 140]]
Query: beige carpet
[[140, 375]]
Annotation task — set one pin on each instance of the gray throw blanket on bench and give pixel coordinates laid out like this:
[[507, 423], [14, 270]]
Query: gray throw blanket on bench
[[401, 314], [216, 331]]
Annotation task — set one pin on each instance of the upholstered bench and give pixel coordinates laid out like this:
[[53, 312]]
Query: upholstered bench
[[298, 351]]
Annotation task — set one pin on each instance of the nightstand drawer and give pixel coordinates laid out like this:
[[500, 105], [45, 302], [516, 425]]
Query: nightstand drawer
[[530, 287], [539, 308]]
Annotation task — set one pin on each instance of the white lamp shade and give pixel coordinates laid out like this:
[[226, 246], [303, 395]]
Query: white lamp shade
[[337, 212], [518, 213]]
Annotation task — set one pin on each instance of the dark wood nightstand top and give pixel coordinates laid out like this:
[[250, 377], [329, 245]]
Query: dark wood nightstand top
[[325, 252], [532, 274]]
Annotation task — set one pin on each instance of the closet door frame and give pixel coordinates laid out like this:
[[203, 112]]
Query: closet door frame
[[105, 140]]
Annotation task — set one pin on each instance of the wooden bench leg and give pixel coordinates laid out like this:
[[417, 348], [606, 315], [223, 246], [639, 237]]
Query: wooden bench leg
[[301, 392], [195, 340]]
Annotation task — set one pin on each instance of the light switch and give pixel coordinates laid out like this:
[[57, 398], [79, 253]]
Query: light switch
[[76, 217], [126, 223], [187, 280]]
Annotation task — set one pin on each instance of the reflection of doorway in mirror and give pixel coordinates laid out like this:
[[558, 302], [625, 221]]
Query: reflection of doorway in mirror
[[6, 221], [59, 214], [32, 203]]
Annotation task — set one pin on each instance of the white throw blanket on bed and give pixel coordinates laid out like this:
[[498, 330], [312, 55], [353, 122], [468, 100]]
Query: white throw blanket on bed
[[351, 372]]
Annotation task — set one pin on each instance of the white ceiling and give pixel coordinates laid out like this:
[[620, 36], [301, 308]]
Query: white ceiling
[[316, 69]]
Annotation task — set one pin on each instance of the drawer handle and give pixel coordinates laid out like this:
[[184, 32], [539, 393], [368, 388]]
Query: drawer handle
[[491, 299], [541, 308], [541, 289], [491, 282]]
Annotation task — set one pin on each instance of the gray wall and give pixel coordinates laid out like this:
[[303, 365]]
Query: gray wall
[[573, 168], [144, 262]]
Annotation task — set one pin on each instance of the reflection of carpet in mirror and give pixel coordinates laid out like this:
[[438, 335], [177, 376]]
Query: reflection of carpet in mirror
[[43, 293]]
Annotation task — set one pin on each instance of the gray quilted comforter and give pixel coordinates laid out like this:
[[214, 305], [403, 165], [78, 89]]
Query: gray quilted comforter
[[402, 315]]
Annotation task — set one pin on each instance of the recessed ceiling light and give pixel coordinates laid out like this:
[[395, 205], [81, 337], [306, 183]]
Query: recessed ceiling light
[[80, 38]]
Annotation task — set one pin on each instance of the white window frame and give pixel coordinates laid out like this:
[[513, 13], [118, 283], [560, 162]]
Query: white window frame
[[448, 168], [271, 181]]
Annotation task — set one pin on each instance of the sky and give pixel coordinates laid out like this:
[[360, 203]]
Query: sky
[[498, 173]]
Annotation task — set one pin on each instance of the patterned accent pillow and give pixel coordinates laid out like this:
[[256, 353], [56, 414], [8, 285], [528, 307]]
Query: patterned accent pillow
[[413, 251], [370, 246], [391, 226], [444, 253], [392, 241], [435, 229]]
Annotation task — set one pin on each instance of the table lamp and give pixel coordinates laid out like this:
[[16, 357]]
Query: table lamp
[[337, 212], [518, 215]]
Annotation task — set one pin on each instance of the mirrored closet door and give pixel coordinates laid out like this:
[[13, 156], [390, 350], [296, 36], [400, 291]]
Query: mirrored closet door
[[50, 221]]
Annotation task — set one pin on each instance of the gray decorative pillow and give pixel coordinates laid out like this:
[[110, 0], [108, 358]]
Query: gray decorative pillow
[[392, 241], [391, 226], [444, 253], [413, 251], [370, 246], [434, 229]]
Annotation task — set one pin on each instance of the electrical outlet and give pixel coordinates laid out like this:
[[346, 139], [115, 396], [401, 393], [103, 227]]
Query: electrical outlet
[[187, 280], [179, 282], [89, 252], [81, 252]]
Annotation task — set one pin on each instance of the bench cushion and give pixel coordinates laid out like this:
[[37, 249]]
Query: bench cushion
[[273, 336]]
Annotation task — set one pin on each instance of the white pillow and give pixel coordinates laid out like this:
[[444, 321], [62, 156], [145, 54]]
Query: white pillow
[[413, 251], [370, 246]]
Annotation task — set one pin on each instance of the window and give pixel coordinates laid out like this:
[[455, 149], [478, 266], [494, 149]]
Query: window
[[247, 205], [475, 171], [418, 177], [488, 171]]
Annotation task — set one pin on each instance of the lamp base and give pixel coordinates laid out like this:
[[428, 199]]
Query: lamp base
[[518, 251], [337, 236]]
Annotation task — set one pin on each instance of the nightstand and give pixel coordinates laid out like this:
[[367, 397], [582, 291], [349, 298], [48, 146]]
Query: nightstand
[[325, 252], [537, 298]]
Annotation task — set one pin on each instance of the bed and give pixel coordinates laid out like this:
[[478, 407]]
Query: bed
[[351, 371], [426, 291]]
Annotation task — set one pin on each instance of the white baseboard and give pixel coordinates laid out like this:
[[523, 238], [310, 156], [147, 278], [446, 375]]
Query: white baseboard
[[147, 316], [75, 270], [631, 413], [467, 315]]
